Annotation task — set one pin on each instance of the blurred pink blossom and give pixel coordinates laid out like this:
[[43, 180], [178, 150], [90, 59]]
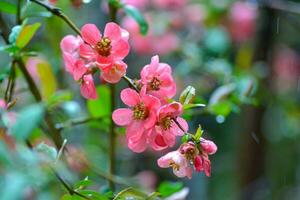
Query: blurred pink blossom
[[242, 21]]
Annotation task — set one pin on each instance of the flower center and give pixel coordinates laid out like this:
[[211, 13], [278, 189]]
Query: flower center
[[140, 112], [103, 47], [174, 165], [154, 84], [165, 123]]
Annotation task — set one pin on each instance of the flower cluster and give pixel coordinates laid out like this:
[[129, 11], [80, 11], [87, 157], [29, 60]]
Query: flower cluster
[[189, 155], [149, 120], [84, 55]]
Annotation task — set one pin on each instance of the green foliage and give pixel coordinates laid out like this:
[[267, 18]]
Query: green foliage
[[137, 16], [101, 106], [26, 34], [8, 7], [187, 96], [167, 188], [28, 119]]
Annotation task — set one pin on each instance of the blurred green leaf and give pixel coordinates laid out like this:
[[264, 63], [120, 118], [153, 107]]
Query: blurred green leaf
[[167, 188], [93, 195], [8, 7], [48, 151], [28, 118], [187, 95], [137, 16], [192, 106], [101, 106], [221, 108], [221, 93], [48, 81], [131, 193], [15, 31], [26, 34], [83, 183]]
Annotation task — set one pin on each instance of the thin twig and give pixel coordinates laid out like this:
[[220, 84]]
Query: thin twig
[[75, 122], [57, 11]]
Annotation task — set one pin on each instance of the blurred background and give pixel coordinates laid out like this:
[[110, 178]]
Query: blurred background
[[243, 58]]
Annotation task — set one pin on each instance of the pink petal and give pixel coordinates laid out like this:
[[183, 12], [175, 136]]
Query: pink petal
[[114, 73], [87, 51], [176, 130], [87, 88], [79, 70], [138, 146], [135, 131], [90, 34], [130, 97], [209, 146], [120, 49], [112, 31], [122, 116]]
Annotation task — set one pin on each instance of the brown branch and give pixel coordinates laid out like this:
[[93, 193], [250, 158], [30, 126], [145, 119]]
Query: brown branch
[[57, 11]]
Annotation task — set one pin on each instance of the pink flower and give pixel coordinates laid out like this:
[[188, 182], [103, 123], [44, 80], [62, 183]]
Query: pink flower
[[87, 88], [202, 163], [138, 119], [209, 147], [165, 132], [242, 21], [170, 4], [141, 4], [178, 162], [112, 46], [158, 80], [70, 49], [113, 72], [2, 104]]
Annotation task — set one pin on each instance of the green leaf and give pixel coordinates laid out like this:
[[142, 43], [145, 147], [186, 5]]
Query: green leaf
[[221, 108], [27, 119], [131, 193], [83, 183], [26, 34], [8, 7], [187, 96], [48, 151], [15, 32], [192, 106], [93, 195], [101, 106], [167, 188], [137, 16], [199, 133], [48, 81]]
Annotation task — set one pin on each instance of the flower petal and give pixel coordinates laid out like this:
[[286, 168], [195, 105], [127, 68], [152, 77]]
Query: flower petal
[[130, 97], [90, 34], [122, 116]]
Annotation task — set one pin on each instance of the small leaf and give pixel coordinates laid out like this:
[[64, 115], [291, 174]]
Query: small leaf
[[187, 95], [48, 81], [27, 120], [48, 151], [8, 7], [15, 32], [26, 34], [168, 188], [192, 106], [131, 193], [137, 16], [83, 183], [221, 108], [199, 133], [101, 106]]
